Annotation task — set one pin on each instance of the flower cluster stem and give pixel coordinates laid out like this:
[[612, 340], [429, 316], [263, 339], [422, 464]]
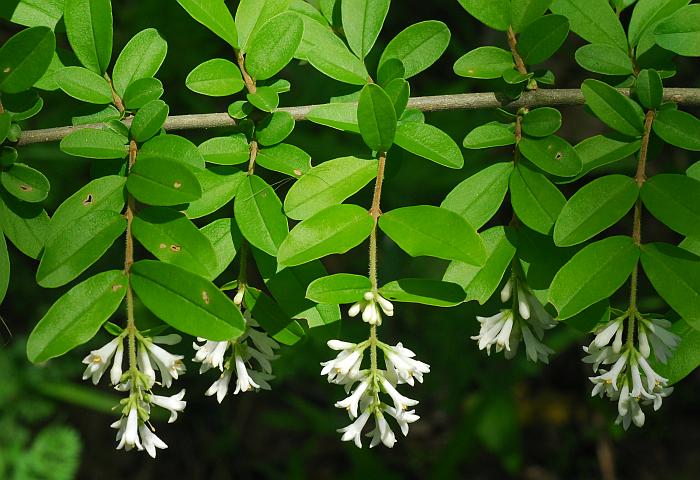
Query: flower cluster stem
[[375, 211]]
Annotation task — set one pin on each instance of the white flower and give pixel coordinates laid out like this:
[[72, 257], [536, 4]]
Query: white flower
[[345, 366], [382, 432], [220, 386], [495, 330], [97, 361], [401, 364], [169, 365], [174, 403], [354, 430], [150, 440], [400, 402], [127, 430], [243, 381], [145, 366], [612, 376], [604, 334], [351, 403], [238, 298], [403, 417], [115, 373], [662, 341], [210, 354], [371, 306]]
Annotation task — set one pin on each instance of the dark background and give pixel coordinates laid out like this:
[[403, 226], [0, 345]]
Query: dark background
[[482, 418]]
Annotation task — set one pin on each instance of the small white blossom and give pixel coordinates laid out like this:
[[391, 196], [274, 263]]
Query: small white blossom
[[345, 367], [354, 430], [401, 364], [372, 305], [382, 432], [211, 354], [150, 440], [170, 366], [662, 340], [220, 386], [174, 403], [97, 361], [352, 402]]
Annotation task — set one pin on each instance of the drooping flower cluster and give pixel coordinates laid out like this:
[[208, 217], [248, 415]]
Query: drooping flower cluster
[[133, 428], [627, 376], [372, 305], [526, 319], [238, 356]]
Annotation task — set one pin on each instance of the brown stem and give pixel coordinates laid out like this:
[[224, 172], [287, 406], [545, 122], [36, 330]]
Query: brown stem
[[116, 99], [253, 156], [375, 211], [519, 63], [249, 82]]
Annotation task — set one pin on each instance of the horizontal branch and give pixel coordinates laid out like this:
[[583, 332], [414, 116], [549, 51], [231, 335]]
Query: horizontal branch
[[464, 101]]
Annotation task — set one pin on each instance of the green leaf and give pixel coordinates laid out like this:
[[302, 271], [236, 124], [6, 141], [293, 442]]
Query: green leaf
[[543, 38], [230, 150], [341, 116], [593, 274], [105, 193], [552, 154], [272, 318], [604, 58], [77, 316], [5, 124], [284, 158], [524, 12], [214, 15], [420, 231], [648, 13], [328, 54], [4, 267], [185, 301], [338, 289], [399, 92], [174, 148], [484, 62], [514, 77], [25, 183], [274, 128], [226, 240], [595, 207], [149, 120], [219, 186], [612, 108], [479, 197], [258, 212], [429, 142], [494, 13], [274, 45], [24, 224], [418, 46], [33, 13], [94, 143], [376, 118], [593, 20], [678, 128], [140, 58], [492, 134], [649, 89], [602, 150], [142, 91], [680, 33], [24, 58], [155, 180], [675, 274], [542, 122], [479, 282], [89, 29], [536, 201], [362, 22], [265, 98], [172, 238], [427, 292], [686, 355], [84, 84], [675, 201], [336, 229], [215, 78], [251, 15], [693, 171], [329, 183], [75, 248]]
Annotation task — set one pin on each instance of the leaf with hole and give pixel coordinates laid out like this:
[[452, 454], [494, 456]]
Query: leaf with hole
[[551, 154], [186, 301], [25, 183]]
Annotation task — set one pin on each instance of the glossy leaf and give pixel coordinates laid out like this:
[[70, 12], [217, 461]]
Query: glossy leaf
[[675, 201], [25, 183], [680, 33], [536, 201], [77, 316], [94, 143], [338, 289], [140, 58], [552, 154], [429, 142], [156, 180], [418, 46], [24, 224], [89, 29], [285, 158], [420, 231], [495, 14], [226, 239], [362, 22], [214, 15], [219, 185], [84, 85], [601, 150], [648, 13], [649, 89], [594, 273], [142, 91], [376, 118], [336, 229], [612, 108], [230, 150], [149, 120], [273, 46], [24, 58], [678, 128], [492, 134], [605, 59], [185, 301], [215, 78], [174, 148], [542, 122], [484, 62], [74, 249], [524, 12], [258, 213], [251, 15], [595, 207], [274, 128], [543, 38], [593, 20], [265, 98], [424, 291], [341, 116], [327, 184]]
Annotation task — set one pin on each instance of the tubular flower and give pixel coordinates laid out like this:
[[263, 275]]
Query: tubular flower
[[526, 320], [237, 356], [627, 377], [372, 305]]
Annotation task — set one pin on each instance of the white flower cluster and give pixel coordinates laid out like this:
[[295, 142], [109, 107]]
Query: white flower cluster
[[527, 320], [365, 386], [628, 378], [254, 344], [133, 428], [371, 306]]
